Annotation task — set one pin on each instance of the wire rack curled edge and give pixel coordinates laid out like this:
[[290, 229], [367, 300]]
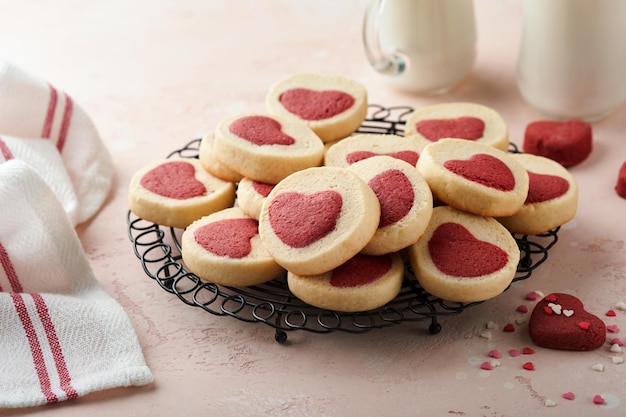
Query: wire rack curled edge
[[159, 251]]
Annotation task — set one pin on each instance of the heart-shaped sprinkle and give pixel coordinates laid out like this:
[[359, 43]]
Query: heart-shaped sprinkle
[[316, 105], [395, 195], [410, 157], [568, 395], [260, 130], [509, 328], [529, 366], [175, 179], [544, 187], [228, 237], [532, 296], [523, 308], [483, 169], [613, 328], [514, 353], [466, 127], [528, 351], [360, 270], [617, 341], [610, 313], [620, 305], [548, 310], [556, 308], [617, 360], [598, 399], [568, 313], [584, 325], [598, 367], [551, 298], [549, 403], [302, 219], [615, 348], [457, 252], [487, 366], [262, 188], [494, 354]]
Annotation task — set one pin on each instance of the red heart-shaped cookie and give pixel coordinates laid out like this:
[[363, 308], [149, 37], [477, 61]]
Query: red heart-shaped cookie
[[228, 237], [302, 219], [568, 142], [316, 105], [407, 156], [360, 270], [457, 252], [466, 127], [175, 179], [560, 321], [483, 169], [544, 187], [395, 195], [260, 130]]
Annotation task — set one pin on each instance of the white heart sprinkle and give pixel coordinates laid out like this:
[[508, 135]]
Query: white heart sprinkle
[[615, 348], [598, 367], [617, 360], [550, 403], [486, 334], [556, 308], [568, 313], [491, 325]]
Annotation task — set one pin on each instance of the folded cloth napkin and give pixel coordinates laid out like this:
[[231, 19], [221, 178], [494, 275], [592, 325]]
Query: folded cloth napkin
[[33, 108], [61, 335]]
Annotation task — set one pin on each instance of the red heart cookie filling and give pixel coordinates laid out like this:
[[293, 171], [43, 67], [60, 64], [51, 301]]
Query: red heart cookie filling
[[260, 130], [484, 169], [262, 188], [467, 127], [407, 156], [360, 270], [174, 179], [395, 195], [457, 252], [543, 187], [316, 105], [300, 220], [564, 324], [229, 237]]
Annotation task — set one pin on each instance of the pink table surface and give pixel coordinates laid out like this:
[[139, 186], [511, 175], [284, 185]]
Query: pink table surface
[[155, 74]]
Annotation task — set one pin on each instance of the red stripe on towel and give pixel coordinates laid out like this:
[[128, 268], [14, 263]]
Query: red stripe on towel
[[55, 347], [35, 348], [6, 152], [7, 265], [52, 104], [65, 122]]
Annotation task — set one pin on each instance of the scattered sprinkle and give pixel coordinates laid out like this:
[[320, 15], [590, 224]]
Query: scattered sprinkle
[[597, 399], [611, 313], [616, 341], [612, 328], [494, 354], [556, 308], [532, 296], [583, 325], [514, 353], [528, 351], [568, 395], [598, 367], [491, 325], [487, 366], [617, 360], [551, 298], [485, 334], [621, 306], [615, 348], [547, 310], [520, 320], [522, 308], [568, 313], [529, 366], [508, 328], [549, 403]]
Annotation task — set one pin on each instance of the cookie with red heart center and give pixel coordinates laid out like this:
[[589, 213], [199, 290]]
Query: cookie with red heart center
[[362, 283], [316, 219], [368, 145], [474, 177], [560, 321], [552, 198], [464, 257], [332, 106], [177, 191], [467, 121], [568, 142], [266, 148], [225, 248]]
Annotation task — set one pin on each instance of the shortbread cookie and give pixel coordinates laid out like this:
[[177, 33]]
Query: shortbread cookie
[[266, 148], [406, 202], [560, 321], [225, 248], [362, 283], [568, 142], [469, 121], [316, 219], [464, 257], [366, 145], [334, 107], [175, 192], [251, 194], [620, 186], [474, 177], [213, 164], [552, 198]]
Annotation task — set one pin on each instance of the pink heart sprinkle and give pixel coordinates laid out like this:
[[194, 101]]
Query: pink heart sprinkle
[[597, 399], [611, 313], [616, 341], [583, 325], [486, 366], [528, 351], [508, 328], [551, 298], [532, 296], [514, 353], [494, 354], [568, 395], [529, 366], [522, 308], [612, 328]]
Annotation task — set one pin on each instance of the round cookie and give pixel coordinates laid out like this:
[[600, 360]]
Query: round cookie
[[552, 198], [362, 146], [266, 148], [469, 121], [474, 177], [225, 248], [406, 202], [213, 164], [362, 283], [175, 192], [333, 106], [251, 194], [464, 257], [316, 219], [568, 142]]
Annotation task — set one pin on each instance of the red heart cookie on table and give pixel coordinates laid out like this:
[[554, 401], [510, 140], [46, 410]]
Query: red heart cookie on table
[[466, 127], [260, 130], [484, 169], [174, 179], [560, 321], [229, 237], [316, 105], [567, 142]]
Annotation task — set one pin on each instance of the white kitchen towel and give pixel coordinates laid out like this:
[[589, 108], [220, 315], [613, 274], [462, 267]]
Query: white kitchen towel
[[61, 335], [30, 107]]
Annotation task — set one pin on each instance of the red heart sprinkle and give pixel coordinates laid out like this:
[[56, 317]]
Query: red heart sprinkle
[[470, 128], [611, 313], [529, 366], [395, 195], [486, 366], [612, 328], [543, 187], [260, 130], [175, 180], [598, 399], [616, 341], [360, 270], [568, 395], [583, 325], [316, 105], [514, 353], [484, 169], [532, 296], [528, 351], [548, 310], [494, 354], [551, 298], [508, 328], [522, 308]]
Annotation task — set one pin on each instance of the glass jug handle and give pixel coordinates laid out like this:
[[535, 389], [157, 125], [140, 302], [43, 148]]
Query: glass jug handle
[[385, 63]]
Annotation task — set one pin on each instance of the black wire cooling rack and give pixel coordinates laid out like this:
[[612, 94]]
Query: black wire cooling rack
[[159, 250]]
